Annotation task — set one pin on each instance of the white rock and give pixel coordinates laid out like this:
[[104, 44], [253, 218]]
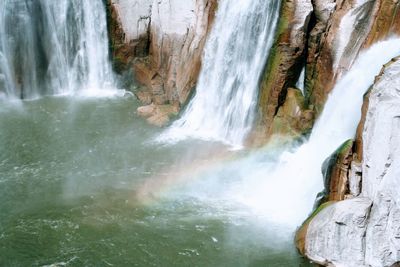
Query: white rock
[[134, 16], [347, 233], [337, 234], [381, 168]]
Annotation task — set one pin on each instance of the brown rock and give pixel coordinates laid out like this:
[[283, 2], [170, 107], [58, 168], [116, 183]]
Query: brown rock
[[125, 48], [147, 111], [177, 40], [158, 115], [284, 63], [292, 118], [339, 173]]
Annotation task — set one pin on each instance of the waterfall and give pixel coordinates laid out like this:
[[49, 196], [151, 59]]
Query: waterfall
[[285, 191], [52, 47], [301, 82], [223, 107]]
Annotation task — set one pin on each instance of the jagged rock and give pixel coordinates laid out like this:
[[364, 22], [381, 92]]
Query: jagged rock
[[336, 235], [335, 170], [381, 168], [343, 28], [355, 178], [284, 63], [386, 20], [134, 17], [370, 238], [339, 33], [128, 23], [301, 234], [165, 38], [292, 118], [144, 97]]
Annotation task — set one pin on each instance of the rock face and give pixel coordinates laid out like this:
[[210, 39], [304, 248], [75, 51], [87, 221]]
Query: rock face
[[331, 35], [285, 61], [178, 33], [292, 118], [365, 230], [343, 28], [164, 40], [336, 172], [129, 25], [337, 234]]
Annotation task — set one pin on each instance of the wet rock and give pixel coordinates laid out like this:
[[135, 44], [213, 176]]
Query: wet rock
[[292, 118], [284, 63], [343, 28], [336, 172], [128, 26], [365, 230], [158, 115]]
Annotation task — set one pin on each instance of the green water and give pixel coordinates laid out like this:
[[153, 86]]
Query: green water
[[81, 184]]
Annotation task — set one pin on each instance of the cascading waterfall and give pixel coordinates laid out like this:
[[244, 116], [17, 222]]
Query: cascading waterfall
[[286, 190], [226, 97], [53, 47]]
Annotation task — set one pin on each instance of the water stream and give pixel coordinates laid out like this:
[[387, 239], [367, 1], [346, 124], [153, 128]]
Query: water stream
[[82, 183], [54, 47], [226, 97]]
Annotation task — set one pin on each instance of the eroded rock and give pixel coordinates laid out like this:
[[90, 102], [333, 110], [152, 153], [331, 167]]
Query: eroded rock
[[178, 33], [284, 63], [349, 233]]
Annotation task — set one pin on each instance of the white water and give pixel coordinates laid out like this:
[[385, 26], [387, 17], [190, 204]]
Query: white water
[[283, 190], [302, 79], [235, 54], [288, 189], [52, 47]]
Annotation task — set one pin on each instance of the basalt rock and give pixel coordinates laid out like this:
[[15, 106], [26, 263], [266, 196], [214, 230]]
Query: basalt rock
[[343, 28], [178, 33], [284, 63], [128, 26], [336, 172], [293, 118], [331, 35], [365, 230]]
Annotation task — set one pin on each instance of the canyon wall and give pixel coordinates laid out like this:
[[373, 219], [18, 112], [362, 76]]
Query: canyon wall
[[325, 37], [362, 226], [164, 41]]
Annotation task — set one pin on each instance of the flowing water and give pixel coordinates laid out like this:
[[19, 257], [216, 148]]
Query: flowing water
[[81, 185], [223, 108], [296, 178], [52, 47]]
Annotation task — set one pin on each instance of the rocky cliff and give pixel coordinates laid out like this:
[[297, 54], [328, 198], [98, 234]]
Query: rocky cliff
[[325, 37], [364, 229], [165, 40]]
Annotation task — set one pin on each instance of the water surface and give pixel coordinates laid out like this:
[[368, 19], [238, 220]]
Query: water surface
[[81, 184]]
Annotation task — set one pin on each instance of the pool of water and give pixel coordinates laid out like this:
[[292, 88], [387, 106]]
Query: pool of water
[[83, 184]]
